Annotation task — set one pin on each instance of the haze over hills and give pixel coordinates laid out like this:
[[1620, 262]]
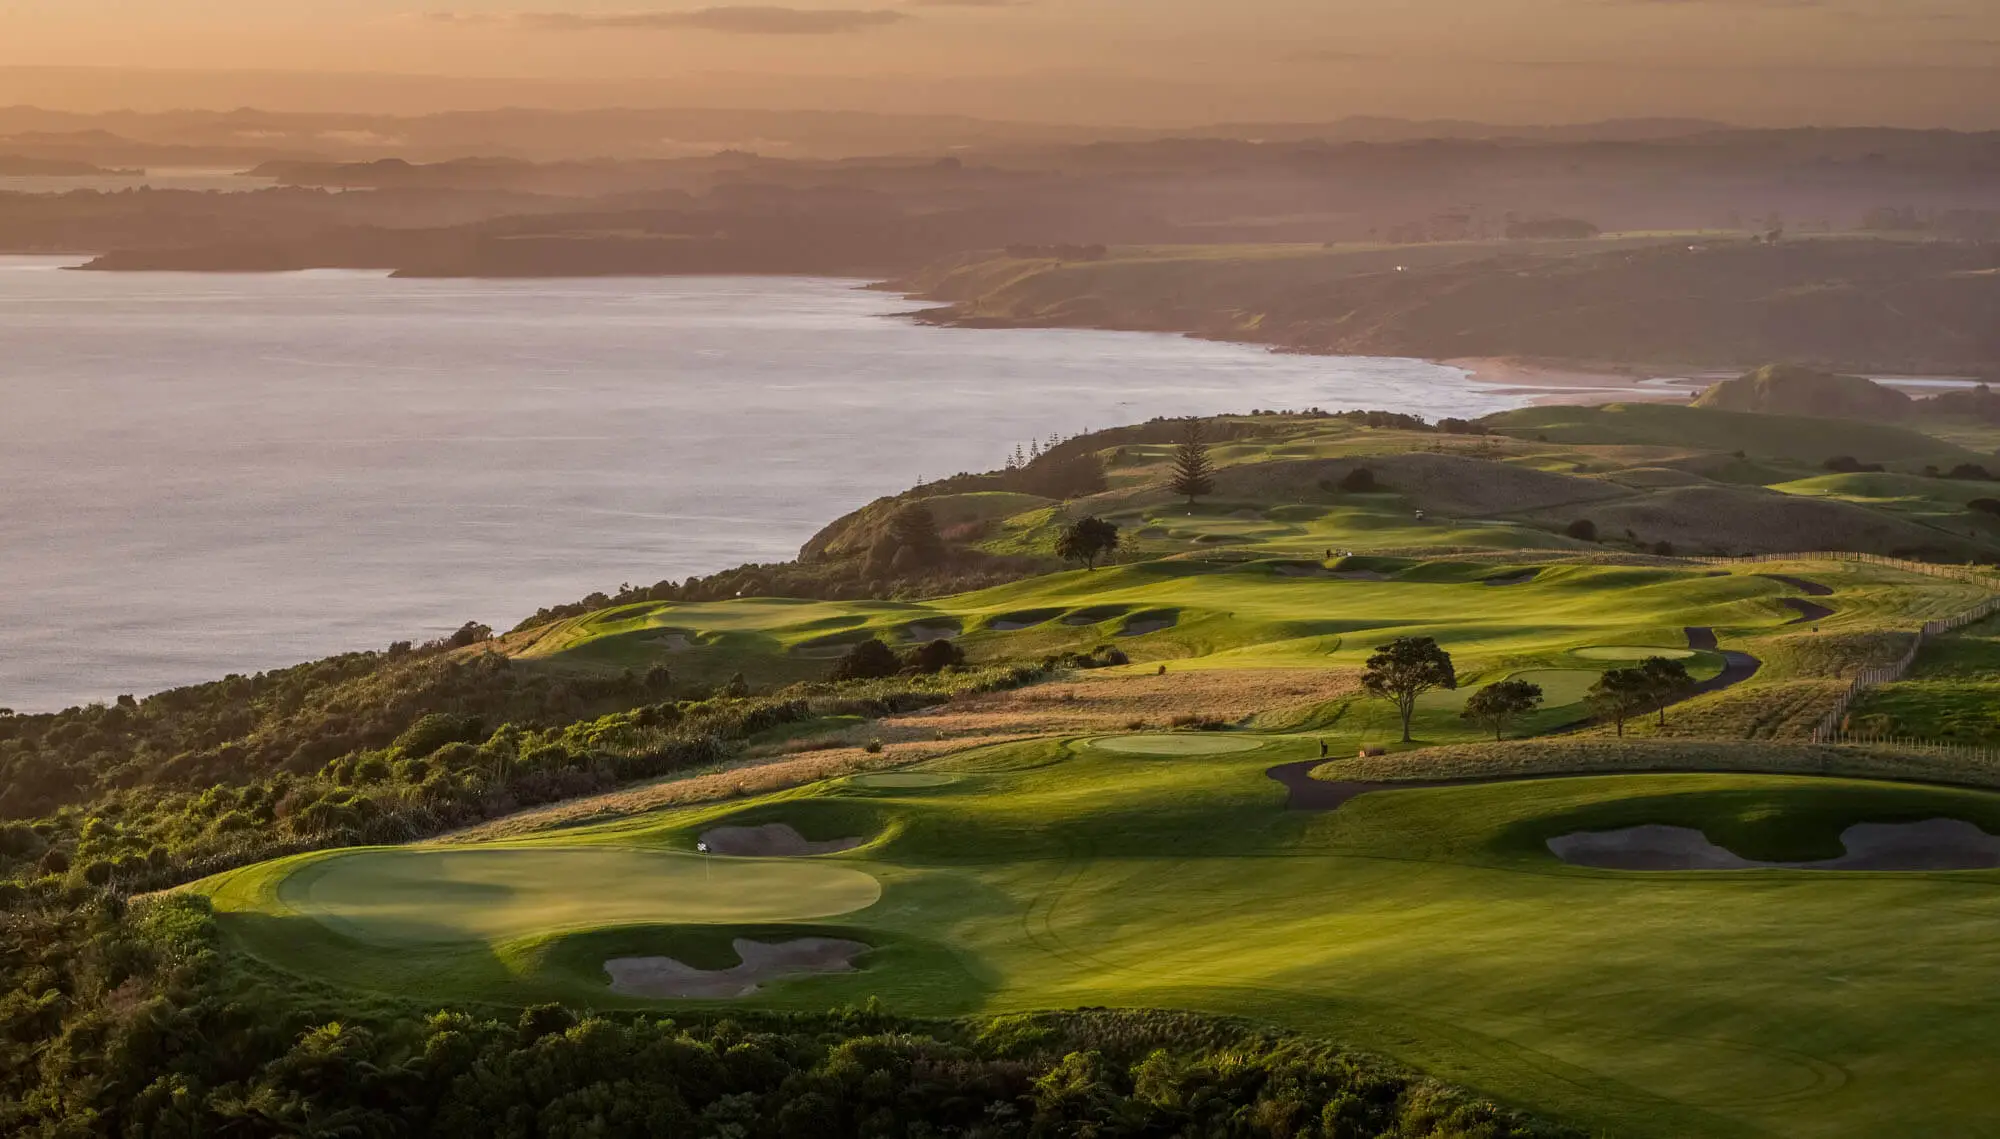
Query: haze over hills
[[550, 134]]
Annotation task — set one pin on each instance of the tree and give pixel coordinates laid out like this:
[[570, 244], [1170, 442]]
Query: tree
[[470, 633], [1405, 669], [868, 660], [915, 529], [1086, 540], [1193, 472], [1496, 705], [1360, 480], [1583, 530], [1667, 681], [1621, 693]]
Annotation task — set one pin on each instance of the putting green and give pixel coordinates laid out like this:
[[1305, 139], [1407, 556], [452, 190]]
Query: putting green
[[1190, 744], [429, 897], [898, 779], [1631, 652]]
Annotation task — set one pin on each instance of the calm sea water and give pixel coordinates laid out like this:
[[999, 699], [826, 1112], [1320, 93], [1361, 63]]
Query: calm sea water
[[202, 475]]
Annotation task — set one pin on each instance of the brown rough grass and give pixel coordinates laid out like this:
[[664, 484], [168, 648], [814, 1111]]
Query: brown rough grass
[[742, 778], [1097, 702], [1523, 758]]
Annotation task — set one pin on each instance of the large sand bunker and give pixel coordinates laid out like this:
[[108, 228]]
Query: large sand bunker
[[1022, 619], [664, 977], [1933, 844], [772, 840], [1140, 624]]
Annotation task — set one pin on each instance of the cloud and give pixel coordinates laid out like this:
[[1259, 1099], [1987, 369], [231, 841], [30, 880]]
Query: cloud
[[748, 20]]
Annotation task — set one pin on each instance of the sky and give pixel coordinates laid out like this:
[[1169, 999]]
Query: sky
[[1140, 62]]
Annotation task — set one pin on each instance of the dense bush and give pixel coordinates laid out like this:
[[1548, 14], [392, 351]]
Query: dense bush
[[869, 660]]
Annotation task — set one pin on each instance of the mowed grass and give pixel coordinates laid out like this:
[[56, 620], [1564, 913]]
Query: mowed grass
[[1558, 625], [1431, 925]]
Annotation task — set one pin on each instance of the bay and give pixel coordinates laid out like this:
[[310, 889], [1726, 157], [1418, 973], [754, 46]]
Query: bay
[[211, 474]]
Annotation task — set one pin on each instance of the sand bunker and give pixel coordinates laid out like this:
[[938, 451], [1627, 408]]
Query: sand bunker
[[1096, 615], [927, 631], [664, 977], [1522, 578], [772, 840], [1026, 619], [1144, 623], [672, 640], [1359, 575], [1933, 844]]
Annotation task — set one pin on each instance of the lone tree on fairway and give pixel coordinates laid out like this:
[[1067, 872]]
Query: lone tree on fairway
[[1193, 472], [1498, 705], [1405, 669], [1086, 540], [1621, 694], [1667, 681]]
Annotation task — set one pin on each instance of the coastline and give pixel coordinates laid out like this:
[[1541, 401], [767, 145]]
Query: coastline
[[1550, 382]]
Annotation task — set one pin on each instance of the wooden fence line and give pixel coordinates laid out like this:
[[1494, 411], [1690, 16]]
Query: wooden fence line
[[1832, 728]]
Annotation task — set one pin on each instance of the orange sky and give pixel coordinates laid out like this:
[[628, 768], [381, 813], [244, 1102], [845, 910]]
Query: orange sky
[[1913, 62]]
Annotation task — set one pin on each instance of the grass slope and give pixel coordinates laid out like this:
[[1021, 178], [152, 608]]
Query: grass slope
[[1430, 925]]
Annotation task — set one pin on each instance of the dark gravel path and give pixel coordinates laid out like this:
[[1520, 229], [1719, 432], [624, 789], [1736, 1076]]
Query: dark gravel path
[[1809, 588], [1807, 610]]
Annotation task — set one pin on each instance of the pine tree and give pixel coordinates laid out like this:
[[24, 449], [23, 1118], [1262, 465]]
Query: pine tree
[[1192, 469]]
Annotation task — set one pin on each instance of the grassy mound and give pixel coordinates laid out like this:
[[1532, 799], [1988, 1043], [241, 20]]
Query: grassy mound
[[1779, 389], [1175, 745]]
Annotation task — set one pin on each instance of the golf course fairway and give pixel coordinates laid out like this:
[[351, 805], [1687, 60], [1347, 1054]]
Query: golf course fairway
[[1432, 925]]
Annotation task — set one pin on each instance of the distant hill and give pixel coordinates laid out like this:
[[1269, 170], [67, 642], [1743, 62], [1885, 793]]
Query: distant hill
[[1782, 389], [1977, 403], [1859, 305]]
